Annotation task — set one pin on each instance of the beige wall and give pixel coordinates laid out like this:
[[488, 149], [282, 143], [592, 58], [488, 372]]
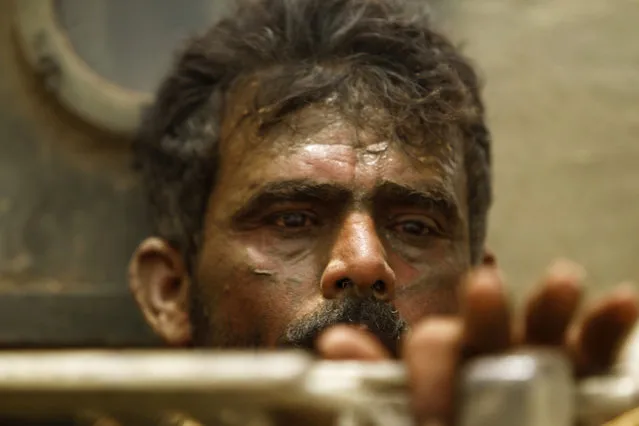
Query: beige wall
[[563, 98]]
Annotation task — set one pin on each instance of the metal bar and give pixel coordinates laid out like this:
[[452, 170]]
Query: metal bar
[[213, 385]]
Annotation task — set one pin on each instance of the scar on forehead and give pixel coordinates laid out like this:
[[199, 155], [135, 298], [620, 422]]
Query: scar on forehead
[[372, 153], [377, 148]]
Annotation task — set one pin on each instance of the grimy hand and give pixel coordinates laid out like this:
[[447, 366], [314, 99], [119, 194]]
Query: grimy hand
[[553, 315]]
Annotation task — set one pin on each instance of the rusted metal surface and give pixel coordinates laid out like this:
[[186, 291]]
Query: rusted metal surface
[[72, 319], [70, 215]]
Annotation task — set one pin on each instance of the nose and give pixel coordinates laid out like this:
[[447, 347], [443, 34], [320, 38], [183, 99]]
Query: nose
[[358, 264]]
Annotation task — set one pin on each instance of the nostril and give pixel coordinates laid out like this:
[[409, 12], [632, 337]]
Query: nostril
[[379, 287], [343, 283]]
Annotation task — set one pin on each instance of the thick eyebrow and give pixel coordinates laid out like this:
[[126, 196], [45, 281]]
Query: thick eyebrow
[[428, 196], [297, 190]]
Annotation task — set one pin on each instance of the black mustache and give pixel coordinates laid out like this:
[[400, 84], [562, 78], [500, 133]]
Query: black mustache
[[379, 318]]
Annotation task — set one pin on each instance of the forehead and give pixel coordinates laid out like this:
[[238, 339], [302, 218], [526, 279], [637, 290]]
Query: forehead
[[321, 144]]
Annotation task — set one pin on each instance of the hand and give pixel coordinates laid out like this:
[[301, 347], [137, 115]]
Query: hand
[[551, 316]]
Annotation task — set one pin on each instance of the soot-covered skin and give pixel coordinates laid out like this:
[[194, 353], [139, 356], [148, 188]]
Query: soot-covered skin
[[318, 201]]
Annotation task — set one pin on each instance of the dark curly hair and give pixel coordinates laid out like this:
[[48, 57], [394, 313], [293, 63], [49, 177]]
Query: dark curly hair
[[304, 51]]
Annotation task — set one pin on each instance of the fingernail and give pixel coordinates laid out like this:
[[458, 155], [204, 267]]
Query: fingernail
[[568, 270]]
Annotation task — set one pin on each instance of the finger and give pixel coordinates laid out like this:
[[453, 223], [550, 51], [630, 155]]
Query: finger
[[598, 338], [343, 342], [552, 307], [487, 325], [432, 354]]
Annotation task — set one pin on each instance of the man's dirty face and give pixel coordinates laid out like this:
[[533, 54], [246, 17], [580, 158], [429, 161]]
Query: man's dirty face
[[323, 222]]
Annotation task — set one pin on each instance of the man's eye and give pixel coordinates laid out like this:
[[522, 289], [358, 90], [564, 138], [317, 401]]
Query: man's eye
[[416, 228], [293, 220]]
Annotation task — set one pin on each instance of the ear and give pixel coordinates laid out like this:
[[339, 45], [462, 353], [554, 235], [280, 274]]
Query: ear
[[160, 284], [489, 258]]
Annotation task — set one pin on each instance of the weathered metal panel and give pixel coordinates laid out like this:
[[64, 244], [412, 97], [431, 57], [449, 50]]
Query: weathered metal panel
[[71, 214]]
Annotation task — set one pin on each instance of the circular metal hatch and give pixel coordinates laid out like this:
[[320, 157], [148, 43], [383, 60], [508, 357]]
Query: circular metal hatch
[[104, 58]]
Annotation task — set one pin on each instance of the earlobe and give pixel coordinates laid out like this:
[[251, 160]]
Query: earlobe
[[160, 284], [489, 258]]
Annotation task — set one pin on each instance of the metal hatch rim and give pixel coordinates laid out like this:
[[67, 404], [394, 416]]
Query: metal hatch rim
[[75, 84]]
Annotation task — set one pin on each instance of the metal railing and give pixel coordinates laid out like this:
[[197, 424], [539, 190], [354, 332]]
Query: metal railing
[[532, 388]]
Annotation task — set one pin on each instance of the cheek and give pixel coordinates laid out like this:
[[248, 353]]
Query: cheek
[[290, 264], [436, 301], [429, 288], [426, 268], [259, 289]]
